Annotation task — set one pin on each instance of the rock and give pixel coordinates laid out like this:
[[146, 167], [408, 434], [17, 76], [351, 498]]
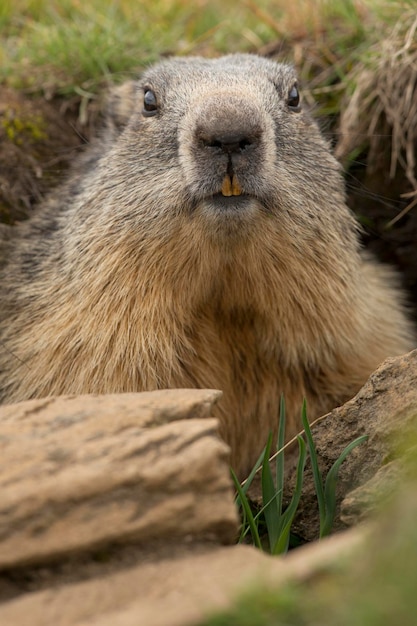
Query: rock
[[340, 582], [385, 409], [174, 591], [113, 507], [373, 495], [363, 575], [80, 474]]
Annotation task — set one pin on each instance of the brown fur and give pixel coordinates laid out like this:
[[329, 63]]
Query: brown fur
[[139, 275]]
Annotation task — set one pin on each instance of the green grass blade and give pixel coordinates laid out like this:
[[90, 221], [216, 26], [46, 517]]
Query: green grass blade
[[269, 497], [281, 545], [244, 527], [256, 517], [251, 476], [318, 480], [279, 463], [247, 510], [330, 487]]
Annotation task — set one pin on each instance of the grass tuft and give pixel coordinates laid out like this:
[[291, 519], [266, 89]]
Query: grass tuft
[[326, 492], [278, 523]]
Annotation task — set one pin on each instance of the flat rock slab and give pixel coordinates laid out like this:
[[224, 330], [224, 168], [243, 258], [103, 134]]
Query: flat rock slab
[[175, 591], [81, 473]]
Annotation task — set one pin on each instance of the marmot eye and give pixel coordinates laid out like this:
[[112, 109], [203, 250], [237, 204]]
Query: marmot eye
[[150, 104], [294, 98]]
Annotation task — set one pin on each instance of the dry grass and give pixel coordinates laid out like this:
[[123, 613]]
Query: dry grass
[[379, 112]]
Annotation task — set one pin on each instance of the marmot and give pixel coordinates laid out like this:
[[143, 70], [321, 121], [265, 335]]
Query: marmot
[[203, 241]]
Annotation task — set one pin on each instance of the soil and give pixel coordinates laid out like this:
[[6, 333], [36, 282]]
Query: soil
[[38, 141], [377, 200]]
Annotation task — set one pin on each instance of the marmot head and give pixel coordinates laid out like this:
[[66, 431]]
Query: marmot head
[[224, 144]]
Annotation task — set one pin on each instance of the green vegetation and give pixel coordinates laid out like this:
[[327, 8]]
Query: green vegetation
[[18, 129], [68, 46], [326, 490], [342, 49], [278, 523], [374, 586], [74, 49]]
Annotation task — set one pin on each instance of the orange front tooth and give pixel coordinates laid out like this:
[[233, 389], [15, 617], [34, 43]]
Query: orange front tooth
[[227, 186], [236, 188]]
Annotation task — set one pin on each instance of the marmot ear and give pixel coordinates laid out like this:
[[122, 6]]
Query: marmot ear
[[119, 104]]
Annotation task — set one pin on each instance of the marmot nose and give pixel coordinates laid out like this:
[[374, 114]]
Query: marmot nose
[[230, 143]]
